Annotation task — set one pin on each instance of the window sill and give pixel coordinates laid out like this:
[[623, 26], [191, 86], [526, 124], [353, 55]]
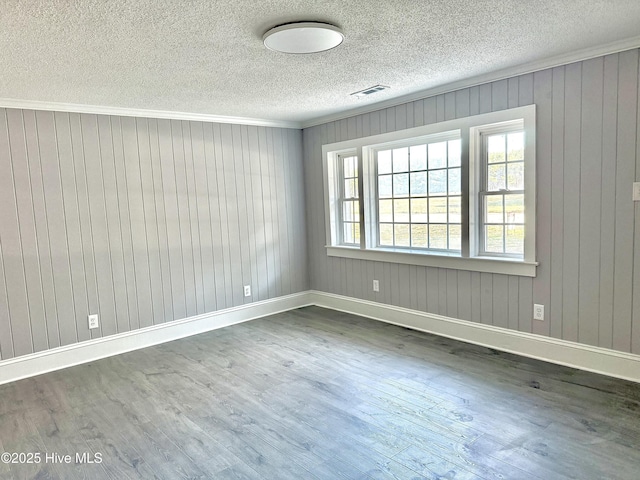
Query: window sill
[[442, 260]]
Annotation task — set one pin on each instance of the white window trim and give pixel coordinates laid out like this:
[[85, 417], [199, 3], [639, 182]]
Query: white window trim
[[470, 129]]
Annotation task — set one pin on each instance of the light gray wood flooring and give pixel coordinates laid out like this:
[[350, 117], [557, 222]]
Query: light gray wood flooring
[[315, 393]]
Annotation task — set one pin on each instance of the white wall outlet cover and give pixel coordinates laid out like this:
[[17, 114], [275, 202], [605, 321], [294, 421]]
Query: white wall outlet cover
[[247, 290], [93, 321], [538, 312], [636, 191], [376, 286]]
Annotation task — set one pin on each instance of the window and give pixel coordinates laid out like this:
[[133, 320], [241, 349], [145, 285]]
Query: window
[[350, 204], [456, 194], [419, 195], [502, 193]]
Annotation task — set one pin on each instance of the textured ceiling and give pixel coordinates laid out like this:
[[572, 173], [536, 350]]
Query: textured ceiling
[[207, 56]]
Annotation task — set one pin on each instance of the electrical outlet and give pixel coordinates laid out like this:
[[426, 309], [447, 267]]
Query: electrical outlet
[[247, 290], [376, 286], [636, 191], [538, 312], [93, 321]]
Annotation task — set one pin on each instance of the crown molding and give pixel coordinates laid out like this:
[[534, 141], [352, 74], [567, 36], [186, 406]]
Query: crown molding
[[522, 69], [143, 113]]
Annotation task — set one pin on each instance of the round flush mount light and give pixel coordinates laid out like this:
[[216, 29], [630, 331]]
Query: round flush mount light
[[303, 37]]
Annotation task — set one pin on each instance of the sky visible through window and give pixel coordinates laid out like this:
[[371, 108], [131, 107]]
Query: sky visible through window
[[350, 204], [419, 196], [504, 194]]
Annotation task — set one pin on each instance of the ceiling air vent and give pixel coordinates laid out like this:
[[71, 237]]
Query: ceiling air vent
[[369, 91]]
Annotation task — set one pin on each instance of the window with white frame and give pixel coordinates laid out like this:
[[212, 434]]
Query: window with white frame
[[419, 194], [501, 196], [456, 194], [349, 200]]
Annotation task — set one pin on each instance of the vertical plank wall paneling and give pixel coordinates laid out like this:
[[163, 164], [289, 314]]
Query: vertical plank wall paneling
[[588, 228], [143, 221]]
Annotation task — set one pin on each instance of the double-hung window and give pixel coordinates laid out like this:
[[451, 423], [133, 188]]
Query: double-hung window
[[349, 200], [457, 194], [501, 195]]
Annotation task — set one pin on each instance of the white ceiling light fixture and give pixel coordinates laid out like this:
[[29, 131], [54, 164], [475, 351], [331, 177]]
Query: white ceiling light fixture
[[303, 37]]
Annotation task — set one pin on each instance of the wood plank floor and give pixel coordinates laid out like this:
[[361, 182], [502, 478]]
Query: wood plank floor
[[318, 394]]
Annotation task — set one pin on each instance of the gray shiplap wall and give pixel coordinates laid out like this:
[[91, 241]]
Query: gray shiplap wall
[[588, 229], [142, 221]]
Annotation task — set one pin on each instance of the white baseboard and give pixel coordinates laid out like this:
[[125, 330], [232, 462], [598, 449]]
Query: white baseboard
[[584, 357], [562, 352], [70, 355]]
